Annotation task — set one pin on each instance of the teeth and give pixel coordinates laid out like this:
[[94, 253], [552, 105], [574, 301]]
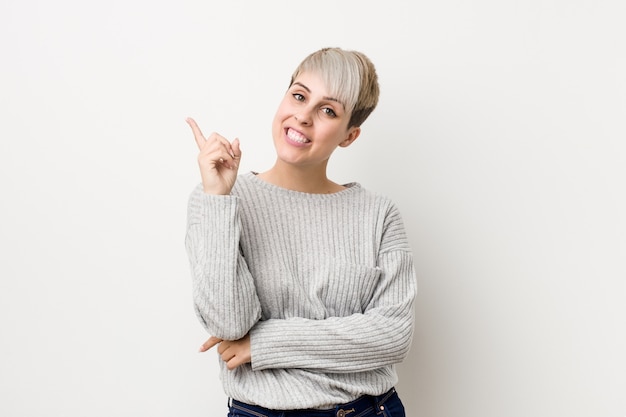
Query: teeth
[[297, 137]]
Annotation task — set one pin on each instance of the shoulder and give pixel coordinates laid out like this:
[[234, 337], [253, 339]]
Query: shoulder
[[378, 200]]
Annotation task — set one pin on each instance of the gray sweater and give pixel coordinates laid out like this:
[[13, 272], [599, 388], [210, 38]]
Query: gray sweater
[[323, 283]]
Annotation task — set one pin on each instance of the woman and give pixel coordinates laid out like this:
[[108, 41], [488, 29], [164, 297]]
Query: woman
[[306, 285]]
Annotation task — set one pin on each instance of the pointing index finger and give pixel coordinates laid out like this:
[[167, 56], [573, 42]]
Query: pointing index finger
[[197, 133]]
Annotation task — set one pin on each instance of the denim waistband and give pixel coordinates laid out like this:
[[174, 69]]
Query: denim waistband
[[355, 408]]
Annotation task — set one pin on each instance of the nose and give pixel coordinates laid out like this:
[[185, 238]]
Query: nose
[[303, 117]]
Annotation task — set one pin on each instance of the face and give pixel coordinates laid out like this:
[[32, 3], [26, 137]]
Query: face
[[309, 124]]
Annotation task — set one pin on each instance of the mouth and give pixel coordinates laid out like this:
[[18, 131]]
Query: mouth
[[296, 136]]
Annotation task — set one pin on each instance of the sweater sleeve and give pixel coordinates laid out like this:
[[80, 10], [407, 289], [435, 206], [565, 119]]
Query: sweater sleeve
[[224, 294], [378, 337]]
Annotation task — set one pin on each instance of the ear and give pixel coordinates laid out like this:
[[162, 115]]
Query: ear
[[353, 133]]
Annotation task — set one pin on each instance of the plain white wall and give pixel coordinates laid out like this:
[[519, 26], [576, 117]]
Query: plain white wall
[[500, 134]]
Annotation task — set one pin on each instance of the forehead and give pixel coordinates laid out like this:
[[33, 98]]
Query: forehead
[[315, 85], [311, 81]]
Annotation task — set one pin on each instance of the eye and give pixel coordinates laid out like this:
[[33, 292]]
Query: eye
[[329, 112], [298, 96]]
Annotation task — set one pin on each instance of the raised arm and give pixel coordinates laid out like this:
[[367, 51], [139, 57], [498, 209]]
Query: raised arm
[[224, 294]]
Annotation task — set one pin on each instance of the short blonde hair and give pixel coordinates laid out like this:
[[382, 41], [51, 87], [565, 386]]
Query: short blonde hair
[[350, 77]]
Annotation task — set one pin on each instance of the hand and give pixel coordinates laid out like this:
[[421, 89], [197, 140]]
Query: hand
[[218, 160], [233, 352]]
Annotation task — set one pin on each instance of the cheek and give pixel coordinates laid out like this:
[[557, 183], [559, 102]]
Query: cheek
[[277, 126], [333, 135], [282, 113]]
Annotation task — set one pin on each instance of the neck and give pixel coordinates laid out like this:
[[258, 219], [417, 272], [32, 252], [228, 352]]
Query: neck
[[307, 180]]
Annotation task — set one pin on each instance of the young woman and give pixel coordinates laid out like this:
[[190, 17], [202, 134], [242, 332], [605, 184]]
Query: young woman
[[306, 285]]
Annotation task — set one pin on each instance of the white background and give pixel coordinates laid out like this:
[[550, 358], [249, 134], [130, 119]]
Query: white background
[[500, 134]]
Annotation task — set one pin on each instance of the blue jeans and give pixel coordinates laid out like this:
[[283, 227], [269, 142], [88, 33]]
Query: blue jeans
[[385, 405]]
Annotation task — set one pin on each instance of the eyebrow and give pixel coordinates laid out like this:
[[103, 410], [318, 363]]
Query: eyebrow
[[325, 98]]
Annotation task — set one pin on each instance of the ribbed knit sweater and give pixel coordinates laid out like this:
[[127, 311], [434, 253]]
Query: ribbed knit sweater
[[323, 283]]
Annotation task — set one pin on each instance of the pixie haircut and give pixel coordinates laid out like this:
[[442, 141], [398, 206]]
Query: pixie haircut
[[349, 76]]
